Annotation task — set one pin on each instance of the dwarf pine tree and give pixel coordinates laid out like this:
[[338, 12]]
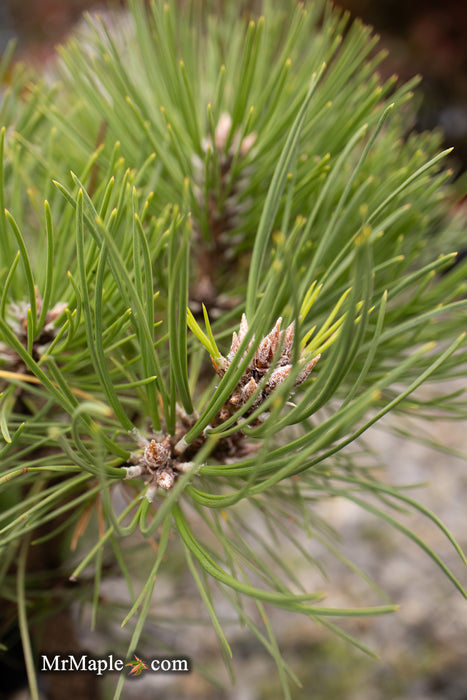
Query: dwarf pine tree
[[223, 257]]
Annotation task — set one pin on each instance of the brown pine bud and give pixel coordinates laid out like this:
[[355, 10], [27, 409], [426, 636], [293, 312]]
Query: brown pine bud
[[165, 478], [249, 389], [157, 454], [306, 370]]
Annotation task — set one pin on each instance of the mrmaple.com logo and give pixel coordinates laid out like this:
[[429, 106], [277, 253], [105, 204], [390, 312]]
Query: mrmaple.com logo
[[66, 663]]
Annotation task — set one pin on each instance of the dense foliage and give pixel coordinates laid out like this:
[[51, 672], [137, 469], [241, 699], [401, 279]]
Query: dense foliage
[[175, 170]]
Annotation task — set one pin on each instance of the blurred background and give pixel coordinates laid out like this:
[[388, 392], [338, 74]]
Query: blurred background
[[426, 37], [423, 648]]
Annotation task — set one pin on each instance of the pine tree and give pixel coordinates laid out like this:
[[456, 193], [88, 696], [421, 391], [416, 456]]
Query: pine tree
[[224, 257]]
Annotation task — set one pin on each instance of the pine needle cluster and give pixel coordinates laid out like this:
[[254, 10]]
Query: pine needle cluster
[[177, 182]]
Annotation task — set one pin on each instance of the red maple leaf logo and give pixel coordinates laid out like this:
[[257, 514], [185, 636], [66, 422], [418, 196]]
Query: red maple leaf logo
[[138, 667]]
